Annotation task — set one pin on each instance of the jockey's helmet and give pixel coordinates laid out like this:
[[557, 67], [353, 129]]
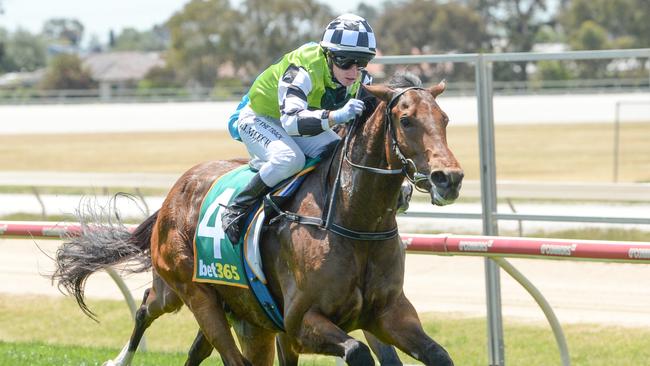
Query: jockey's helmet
[[348, 40]]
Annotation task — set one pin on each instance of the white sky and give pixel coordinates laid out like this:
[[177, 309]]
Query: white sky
[[99, 16]]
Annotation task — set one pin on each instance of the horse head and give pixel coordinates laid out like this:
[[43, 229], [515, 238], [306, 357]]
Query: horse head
[[417, 128]]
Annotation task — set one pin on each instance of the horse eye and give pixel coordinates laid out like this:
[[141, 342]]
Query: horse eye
[[404, 120]]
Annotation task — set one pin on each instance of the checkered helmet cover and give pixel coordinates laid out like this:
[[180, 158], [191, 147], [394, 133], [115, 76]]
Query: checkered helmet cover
[[349, 32]]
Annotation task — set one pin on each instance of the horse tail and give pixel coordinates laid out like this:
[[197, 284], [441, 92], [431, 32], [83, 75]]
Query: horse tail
[[97, 247]]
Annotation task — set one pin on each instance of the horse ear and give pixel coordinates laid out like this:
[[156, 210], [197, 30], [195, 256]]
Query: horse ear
[[438, 89], [382, 92]]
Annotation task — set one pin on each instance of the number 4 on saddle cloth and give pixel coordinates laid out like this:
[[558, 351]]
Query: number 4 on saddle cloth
[[216, 259]]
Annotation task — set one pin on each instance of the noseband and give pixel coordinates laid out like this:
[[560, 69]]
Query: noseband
[[416, 177]]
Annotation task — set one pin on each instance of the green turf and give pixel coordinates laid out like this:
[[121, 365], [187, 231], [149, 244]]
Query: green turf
[[40, 330], [42, 354]]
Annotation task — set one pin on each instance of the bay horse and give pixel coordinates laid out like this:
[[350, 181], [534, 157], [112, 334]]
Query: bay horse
[[346, 273]]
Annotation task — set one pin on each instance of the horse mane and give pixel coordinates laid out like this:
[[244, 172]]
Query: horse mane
[[401, 79], [404, 79]]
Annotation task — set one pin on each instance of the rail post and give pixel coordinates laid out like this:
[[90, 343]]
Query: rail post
[[496, 352], [617, 138]]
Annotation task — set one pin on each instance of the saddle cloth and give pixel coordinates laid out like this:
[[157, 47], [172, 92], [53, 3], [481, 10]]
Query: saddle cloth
[[216, 259]]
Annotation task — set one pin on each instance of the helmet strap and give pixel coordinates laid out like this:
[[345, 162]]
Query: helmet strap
[[330, 63], [328, 57]]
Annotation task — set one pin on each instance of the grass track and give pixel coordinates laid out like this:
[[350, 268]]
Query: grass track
[[41, 354], [39, 330]]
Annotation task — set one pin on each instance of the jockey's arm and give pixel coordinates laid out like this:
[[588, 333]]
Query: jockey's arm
[[293, 89]]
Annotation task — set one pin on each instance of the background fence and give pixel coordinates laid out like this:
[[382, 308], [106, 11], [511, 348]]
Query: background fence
[[228, 93]]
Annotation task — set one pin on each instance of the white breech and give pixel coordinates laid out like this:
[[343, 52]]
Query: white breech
[[273, 152]]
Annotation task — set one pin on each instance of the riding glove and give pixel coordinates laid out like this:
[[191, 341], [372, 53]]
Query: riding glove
[[352, 108]]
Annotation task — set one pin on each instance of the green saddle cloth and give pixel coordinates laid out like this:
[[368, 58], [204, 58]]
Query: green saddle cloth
[[216, 260]]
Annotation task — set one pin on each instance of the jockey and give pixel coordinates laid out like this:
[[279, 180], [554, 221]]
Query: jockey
[[290, 109]]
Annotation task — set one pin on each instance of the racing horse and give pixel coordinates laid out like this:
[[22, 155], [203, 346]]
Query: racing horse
[[344, 273]]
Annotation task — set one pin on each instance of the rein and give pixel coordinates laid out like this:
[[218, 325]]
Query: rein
[[326, 221]]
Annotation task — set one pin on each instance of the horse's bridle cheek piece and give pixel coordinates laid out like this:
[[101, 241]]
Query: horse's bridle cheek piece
[[389, 130], [408, 165]]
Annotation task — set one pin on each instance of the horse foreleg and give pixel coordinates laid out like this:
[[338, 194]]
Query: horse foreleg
[[200, 350], [257, 343], [287, 356], [401, 327], [385, 353], [205, 304], [317, 334], [158, 300]]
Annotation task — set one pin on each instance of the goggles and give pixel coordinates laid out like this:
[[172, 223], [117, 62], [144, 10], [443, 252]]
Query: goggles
[[346, 62]]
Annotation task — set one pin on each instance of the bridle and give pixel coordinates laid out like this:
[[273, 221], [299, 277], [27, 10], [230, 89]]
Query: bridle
[[327, 220], [408, 165]]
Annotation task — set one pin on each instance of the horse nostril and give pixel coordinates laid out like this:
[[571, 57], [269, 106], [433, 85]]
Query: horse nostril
[[447, 179], [440, 179], [457, 177]]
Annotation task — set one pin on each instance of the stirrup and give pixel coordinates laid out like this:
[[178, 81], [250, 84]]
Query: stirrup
[[234, 228]]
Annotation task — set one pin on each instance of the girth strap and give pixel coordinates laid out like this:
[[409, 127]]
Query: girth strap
[[364, 235]]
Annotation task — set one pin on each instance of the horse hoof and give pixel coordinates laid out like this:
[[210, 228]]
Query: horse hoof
[[359, 355], [440, 357]]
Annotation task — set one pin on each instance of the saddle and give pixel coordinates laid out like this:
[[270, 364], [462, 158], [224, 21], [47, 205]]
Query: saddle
[[216, 259]]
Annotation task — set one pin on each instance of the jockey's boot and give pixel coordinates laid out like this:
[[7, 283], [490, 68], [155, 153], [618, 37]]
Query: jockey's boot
[[406, 191], [234, 218]]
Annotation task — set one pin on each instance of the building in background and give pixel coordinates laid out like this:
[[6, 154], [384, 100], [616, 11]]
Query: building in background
[[121, 70]]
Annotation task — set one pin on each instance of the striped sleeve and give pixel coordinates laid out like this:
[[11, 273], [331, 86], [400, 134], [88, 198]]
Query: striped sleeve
[[295, 116]]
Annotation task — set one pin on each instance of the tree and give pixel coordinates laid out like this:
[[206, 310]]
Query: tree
[[622, 21], [515, 22], [4, 59], [513, 26], [589, 36], [369, 12], [26, 51], [131, 39], [272, 28], [21, 51], [431, 28], [66, 31], [159, 77], [204, 35], [66, 72], [603, 24]]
